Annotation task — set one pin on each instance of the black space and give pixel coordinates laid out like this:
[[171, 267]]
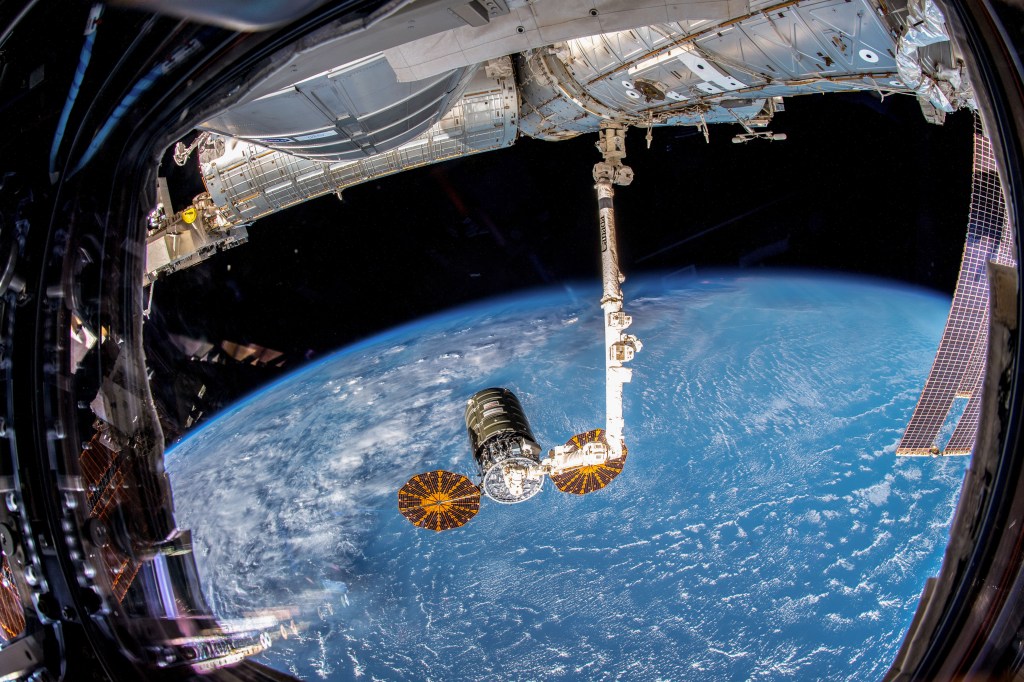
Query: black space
[[861, 185]]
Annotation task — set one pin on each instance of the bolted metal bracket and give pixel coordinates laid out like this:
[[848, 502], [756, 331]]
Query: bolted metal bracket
[[612, 145]]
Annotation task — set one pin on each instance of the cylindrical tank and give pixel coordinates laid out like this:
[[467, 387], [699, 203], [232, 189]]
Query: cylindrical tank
[[247, 180], [503, 446]]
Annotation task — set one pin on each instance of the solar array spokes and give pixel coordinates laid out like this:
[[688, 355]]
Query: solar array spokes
[[12, 613], [588, 478], [959, 365], [439, 500]]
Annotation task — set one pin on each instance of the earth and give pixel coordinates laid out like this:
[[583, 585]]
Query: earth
[[762, 528]]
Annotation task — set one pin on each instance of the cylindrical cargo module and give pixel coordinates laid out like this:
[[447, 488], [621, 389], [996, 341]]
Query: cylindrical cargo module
[[503, 446], [493, 412]]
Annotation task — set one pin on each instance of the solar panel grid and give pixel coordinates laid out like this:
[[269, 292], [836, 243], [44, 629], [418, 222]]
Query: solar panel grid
[[959, 364], [952, 359], [990, 212], [962, 440], [971, 381]]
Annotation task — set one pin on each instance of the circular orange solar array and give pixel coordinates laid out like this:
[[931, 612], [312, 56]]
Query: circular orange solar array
[[439, 500], [12, 615], [591, 477]]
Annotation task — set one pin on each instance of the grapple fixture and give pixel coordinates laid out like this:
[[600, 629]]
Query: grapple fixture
[[587, 478]]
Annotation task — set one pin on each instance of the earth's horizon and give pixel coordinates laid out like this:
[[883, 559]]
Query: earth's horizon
[[762, 527]]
